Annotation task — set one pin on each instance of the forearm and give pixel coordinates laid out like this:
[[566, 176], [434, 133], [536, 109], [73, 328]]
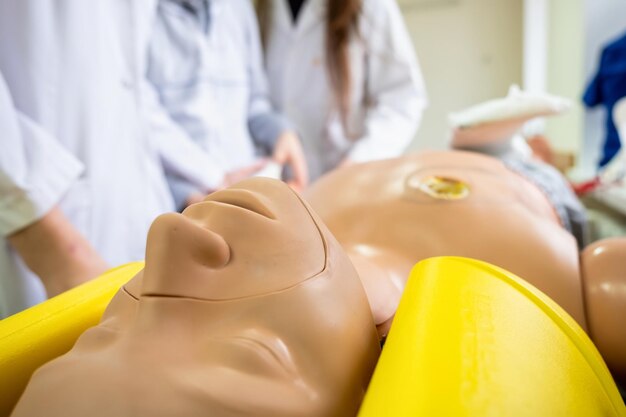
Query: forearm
[[54, 250]]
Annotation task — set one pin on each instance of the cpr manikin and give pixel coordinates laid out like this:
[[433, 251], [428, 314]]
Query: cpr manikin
[[389, 215], [247, 306]]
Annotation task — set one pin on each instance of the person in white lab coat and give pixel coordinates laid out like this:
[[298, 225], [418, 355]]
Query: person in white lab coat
[[80, 181], [205, 62], [345, 73]]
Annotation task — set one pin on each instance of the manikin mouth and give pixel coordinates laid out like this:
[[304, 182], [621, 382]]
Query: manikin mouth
[[244, 199]]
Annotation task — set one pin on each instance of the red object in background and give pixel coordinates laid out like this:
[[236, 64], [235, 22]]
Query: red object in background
[[586, 187]]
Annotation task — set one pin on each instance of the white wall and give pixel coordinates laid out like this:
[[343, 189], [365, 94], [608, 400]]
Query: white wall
[[469, 50], [536, 34], [565, 72], [604, 20]]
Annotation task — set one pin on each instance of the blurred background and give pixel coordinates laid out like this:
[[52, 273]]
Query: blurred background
[[473, 50]]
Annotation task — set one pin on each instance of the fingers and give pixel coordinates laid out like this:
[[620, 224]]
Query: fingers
[[249, 170], [346, 162], [194, 198], [300, 171], [243, 173], [288, 151], [283, 147], [295, 186]]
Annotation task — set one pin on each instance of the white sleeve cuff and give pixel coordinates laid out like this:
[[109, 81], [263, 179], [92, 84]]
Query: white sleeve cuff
[[35, 173]]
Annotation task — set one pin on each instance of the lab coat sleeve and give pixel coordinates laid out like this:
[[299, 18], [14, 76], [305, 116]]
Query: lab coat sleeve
[[264, 123], [35, 170], [187, 166], [173, 58], [395, 91]]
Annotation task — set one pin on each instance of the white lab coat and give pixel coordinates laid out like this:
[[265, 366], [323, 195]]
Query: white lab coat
[[387, 97], [72, 129], [205, 63]]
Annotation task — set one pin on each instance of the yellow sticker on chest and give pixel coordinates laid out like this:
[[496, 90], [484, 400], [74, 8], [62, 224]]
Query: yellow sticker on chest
[[443, 188]]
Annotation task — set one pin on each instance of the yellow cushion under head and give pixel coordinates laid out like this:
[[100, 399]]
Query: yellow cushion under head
[[35, 336], [470, 339]]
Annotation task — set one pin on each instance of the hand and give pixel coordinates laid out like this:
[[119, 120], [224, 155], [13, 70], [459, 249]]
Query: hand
[[240, 174], [194, 198], [346, 162], [54, 250], [230, 178], [288, 151]]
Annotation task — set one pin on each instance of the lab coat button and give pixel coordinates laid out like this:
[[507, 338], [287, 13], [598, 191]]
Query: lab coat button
[[128, 83]]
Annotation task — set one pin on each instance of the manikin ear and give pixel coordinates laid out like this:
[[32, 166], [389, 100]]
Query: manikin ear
[[178, 247]]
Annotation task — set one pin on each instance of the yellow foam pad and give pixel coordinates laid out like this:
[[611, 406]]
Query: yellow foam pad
[[35, 336], [470, 339]]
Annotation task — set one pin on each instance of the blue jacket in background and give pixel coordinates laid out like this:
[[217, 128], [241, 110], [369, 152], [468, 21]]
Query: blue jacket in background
[[606, 88]]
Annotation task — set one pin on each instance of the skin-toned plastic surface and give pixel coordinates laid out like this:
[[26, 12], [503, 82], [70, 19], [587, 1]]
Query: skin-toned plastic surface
[[470, 339], [604, 277], [487, 133], [33, 337], [389, 215], [247, 306], [496, 121]]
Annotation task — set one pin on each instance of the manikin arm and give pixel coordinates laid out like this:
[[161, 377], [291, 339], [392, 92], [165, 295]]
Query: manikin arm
[[603, 266]]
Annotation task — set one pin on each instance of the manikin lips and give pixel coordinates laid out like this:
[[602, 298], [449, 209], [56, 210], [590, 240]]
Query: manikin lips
[[244, 199]]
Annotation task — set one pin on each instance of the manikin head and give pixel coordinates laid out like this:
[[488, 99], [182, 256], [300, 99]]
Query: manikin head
[[248, 306]]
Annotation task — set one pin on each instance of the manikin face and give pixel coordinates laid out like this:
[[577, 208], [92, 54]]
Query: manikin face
[[248, 307]]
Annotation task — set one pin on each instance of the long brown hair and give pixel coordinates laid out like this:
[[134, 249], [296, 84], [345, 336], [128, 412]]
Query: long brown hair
[[341, 24]]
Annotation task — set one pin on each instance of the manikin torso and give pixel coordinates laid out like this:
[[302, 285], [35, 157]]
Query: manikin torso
[[389, 215]]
